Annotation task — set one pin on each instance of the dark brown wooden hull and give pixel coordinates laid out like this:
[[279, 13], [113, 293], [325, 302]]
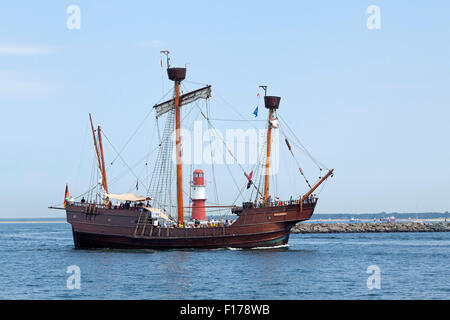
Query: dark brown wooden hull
[[116, 228], [91, 240]]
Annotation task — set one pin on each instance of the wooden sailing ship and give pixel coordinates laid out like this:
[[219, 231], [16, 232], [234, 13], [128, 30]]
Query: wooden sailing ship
[[259, 223]]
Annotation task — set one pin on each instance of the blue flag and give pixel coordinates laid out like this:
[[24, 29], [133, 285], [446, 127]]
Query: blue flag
[[256, 112], [137, 184]]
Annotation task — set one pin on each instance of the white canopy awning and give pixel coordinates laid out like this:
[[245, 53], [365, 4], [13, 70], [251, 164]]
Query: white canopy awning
[[128, 197]]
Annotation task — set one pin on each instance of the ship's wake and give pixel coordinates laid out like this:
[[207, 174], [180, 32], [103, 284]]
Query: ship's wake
[[281, 246]]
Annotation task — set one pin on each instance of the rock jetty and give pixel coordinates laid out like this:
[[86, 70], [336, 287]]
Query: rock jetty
[[370, 227]]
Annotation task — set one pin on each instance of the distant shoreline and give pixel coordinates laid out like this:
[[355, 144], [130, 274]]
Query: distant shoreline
[[363, 227], [33, 221]]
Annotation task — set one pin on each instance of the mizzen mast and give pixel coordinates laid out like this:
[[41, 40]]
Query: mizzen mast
[[105, 184], [100, 159]]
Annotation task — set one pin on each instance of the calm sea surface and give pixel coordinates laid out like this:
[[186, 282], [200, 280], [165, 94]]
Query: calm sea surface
[[34, 259]]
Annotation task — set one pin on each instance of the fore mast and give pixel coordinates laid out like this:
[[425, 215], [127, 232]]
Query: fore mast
[[272, 103]]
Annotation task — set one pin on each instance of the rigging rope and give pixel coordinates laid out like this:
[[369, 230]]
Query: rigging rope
[[235, 120], [82, 154], [92, 182], [137, 129], [212, 162], [298, 164], [121, 158], [210, 125], [196, 83], [160, 182], [316, 162], [229, 151]]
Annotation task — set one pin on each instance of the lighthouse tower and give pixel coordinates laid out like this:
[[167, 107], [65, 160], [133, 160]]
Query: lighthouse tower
[[198, 196]]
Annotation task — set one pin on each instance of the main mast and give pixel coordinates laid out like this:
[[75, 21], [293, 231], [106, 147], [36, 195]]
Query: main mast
[[177, 75], [272, 103]]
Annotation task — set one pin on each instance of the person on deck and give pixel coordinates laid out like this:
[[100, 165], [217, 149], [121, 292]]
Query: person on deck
[[108, 203], [261, 202]]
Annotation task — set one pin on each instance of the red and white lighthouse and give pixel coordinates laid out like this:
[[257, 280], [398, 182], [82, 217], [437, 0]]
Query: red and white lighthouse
[[198, 196]]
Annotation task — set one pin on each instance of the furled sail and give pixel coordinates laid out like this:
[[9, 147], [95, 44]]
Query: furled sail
[[202, 93], [274, 123]]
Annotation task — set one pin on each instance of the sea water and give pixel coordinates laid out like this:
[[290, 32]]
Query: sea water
[[37, 261]]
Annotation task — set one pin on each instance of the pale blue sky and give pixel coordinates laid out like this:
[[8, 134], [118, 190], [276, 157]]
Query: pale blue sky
[[373, 104]]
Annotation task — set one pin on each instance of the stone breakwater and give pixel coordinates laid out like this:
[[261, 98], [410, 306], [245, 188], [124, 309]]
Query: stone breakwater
[[370, 227]]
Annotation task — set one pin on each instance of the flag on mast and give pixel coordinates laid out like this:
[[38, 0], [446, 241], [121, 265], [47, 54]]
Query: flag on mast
[[256, 112], [250, 179], [66, 196], [161, 63]]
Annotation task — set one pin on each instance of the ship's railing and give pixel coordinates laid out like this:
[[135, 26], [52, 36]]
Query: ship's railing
[[209, 224], [199, 226], [91, 206], [81, 204], [88, 204], [277, 203]]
